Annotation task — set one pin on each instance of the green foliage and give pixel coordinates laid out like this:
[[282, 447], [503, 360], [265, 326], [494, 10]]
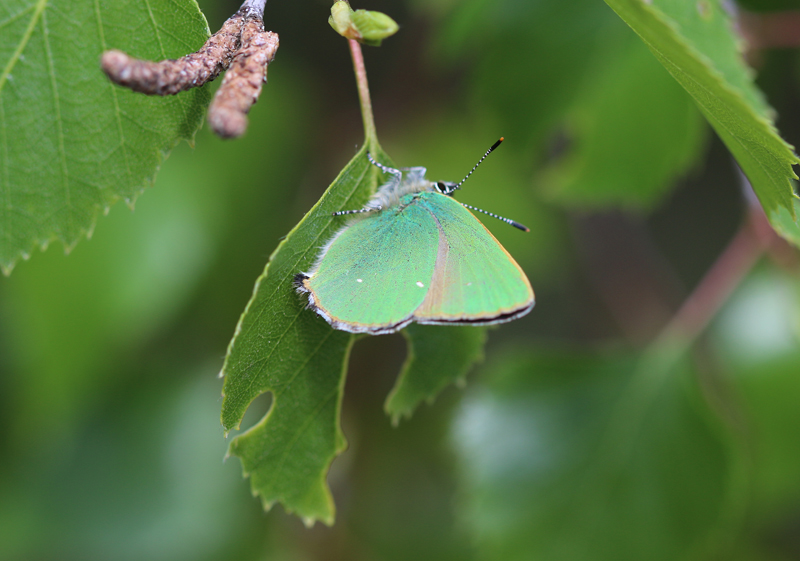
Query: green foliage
[[437, 357], [72, 143], [696, 44], [576, 455]]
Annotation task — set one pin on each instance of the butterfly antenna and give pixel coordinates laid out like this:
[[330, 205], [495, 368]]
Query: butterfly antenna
[[489, 151], [508, 221]]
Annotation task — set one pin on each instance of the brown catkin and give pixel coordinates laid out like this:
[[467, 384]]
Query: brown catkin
[[243, 80], [169, 77]]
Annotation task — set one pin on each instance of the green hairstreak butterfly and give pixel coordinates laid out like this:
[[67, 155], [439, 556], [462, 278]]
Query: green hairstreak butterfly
[[415, 254]]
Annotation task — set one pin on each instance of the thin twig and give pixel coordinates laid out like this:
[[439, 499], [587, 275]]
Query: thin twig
[[363, 89], [718, 284]]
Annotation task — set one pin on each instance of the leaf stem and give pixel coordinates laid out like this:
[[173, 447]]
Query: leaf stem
[[363, 91]]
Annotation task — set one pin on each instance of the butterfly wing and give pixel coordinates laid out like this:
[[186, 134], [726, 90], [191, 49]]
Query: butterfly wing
[[376, 272], [476, 280]]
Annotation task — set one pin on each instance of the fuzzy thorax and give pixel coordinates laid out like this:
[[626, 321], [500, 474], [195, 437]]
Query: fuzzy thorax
[[389, 195]]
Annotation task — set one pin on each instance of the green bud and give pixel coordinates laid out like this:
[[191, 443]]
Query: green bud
[[364, 26], [374, 27], [340, 18]]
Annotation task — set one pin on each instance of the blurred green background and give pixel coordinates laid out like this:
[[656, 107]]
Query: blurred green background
[[109, 396]]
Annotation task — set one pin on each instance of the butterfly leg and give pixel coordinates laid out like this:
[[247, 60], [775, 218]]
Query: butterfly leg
[[398, 175], [359, 211]]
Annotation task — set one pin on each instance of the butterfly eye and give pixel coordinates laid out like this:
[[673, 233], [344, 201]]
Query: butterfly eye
[[445, 187]]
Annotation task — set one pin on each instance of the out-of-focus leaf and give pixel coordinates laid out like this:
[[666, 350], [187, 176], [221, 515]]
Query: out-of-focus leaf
[[768, 391], [71, 142], [573, 456], [594, 126], [161, 436], [696, 43], [631, 133], [757, 339], [529, 61], [437, 357], [761, 322]]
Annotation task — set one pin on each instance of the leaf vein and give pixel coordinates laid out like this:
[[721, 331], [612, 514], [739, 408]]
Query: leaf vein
[[37, 13], [117, 111], [15, 17], [157, 33], [57, 108]]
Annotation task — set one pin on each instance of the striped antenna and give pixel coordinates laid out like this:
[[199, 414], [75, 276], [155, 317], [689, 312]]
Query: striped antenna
[[508, 221], [489, 151]]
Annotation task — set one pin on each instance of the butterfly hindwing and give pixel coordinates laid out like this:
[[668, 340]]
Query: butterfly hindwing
[[476, 280], [376, 272]]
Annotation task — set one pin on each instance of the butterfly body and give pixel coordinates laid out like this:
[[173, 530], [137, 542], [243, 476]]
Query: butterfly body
[[415, 254]]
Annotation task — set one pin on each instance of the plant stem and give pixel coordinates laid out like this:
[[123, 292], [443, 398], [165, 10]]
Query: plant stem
[[660, 357], [254, 7], [363, 91], [719, 282]]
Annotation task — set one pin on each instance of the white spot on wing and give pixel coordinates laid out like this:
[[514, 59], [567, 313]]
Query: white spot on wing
[[359, 280], [419, 284]]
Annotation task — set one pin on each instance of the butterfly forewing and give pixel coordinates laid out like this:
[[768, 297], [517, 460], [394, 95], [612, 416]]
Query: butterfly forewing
[[476, 280]]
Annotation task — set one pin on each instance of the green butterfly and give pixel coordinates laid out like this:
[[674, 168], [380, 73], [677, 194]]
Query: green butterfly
[[415, 254]]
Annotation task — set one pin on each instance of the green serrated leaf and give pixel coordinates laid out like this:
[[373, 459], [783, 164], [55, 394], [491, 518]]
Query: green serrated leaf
[[72, 143], [558, 49], [696, 44], [281, 347], [437, 357]]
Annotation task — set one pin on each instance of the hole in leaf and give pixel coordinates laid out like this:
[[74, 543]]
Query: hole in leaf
[[259, 407]]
